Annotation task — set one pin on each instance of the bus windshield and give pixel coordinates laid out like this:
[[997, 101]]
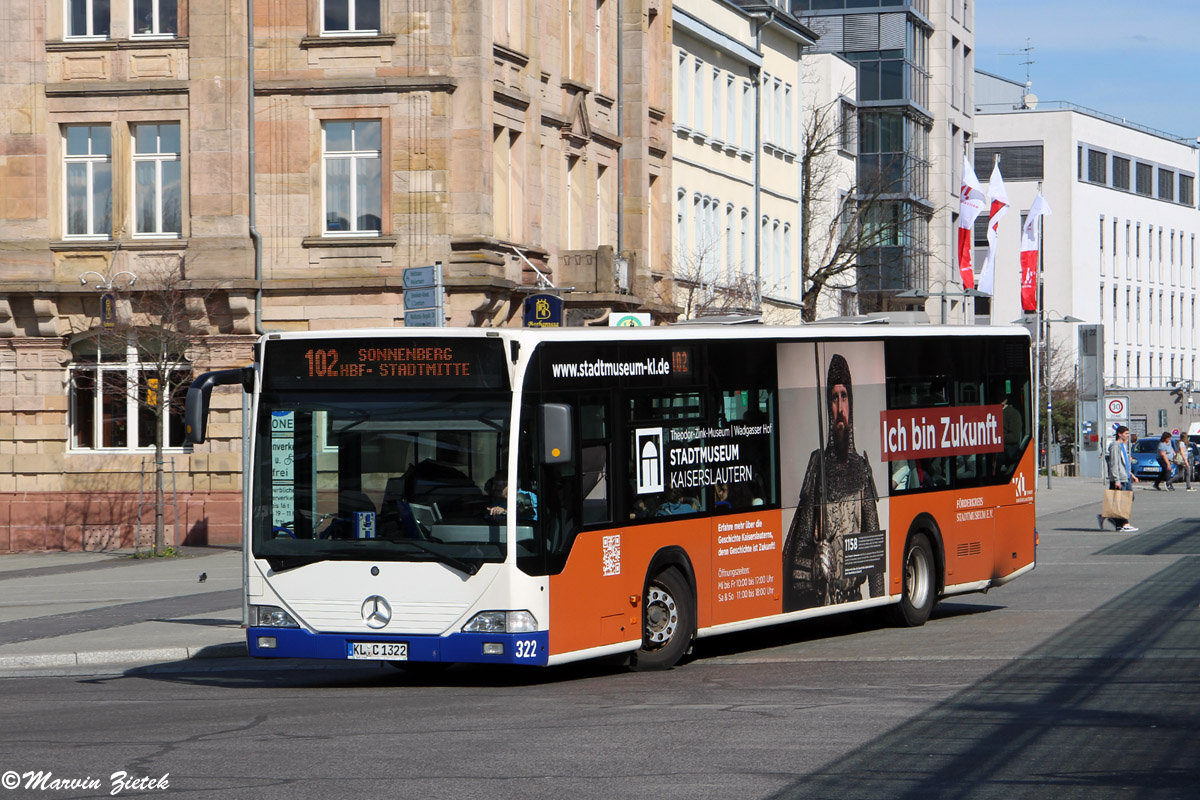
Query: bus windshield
[[406, 476]]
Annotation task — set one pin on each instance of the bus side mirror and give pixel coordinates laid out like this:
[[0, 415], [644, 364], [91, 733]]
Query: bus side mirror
[[195, 412], [557, 434]]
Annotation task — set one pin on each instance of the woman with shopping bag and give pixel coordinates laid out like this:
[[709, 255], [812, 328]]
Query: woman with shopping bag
[[1118, 497]]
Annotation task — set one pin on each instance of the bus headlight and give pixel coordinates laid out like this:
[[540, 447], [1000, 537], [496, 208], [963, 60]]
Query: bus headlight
[[501, 622], [271, 617]]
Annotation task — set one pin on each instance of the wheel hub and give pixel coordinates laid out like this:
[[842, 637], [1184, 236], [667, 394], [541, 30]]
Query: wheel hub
[[662, 617]]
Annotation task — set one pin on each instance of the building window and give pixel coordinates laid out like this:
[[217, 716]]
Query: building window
[[342, 17], [114, 386], [88, 176], [1097, 166], [680, 226], [87, 19], [1145, 179], [1017, 162], [158, 194], [155, 18], [1120, 173], [353, 181], [731, 111], [747, 117], [1166, 184], [848, 127], [683, 93], [718, 103], [1185, 189]]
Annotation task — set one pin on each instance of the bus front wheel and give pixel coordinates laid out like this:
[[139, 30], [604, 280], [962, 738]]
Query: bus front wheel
[[920, 584], [668, 621]]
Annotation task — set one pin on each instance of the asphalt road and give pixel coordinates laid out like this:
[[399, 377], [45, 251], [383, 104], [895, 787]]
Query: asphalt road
[[1081, 680]]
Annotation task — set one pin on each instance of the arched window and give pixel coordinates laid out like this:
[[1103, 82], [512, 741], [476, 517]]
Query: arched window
[[115, 389]]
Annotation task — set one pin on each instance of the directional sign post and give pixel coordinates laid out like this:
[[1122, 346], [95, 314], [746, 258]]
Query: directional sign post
[[423, 297]]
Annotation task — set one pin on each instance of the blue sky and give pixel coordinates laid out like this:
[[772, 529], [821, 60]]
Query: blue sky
[[1133, 60]]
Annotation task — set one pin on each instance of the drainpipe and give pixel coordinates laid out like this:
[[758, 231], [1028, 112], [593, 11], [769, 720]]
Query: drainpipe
[[256, 240], [620, 125], [762, 20], [255, 237]]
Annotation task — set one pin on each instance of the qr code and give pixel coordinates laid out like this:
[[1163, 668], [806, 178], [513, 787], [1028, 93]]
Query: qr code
[[612, 554]]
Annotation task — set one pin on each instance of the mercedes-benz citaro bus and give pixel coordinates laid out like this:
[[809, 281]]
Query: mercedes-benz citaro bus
[[539, 497]]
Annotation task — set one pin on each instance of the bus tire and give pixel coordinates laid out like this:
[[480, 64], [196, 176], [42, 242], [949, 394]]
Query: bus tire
[[920, 584], [668, 622]]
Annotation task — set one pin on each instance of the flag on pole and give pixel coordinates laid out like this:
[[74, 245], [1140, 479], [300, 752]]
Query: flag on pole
[[1029, 252], [999, 197], [970, 207]]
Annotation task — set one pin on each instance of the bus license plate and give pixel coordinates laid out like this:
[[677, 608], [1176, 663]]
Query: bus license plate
[[386, 651]]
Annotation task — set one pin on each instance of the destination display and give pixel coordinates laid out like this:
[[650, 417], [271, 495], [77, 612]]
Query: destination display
[[385, 363]]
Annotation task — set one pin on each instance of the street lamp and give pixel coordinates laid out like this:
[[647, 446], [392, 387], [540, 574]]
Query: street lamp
[[1025, 320], [922, 294]]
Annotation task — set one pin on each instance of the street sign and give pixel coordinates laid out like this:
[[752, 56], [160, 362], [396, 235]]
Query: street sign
[[423, 318], [1117, 408], [422, 298], [631, 320], [423, 277]]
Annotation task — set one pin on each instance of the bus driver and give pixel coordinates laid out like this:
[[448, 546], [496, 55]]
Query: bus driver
[[813, 554]]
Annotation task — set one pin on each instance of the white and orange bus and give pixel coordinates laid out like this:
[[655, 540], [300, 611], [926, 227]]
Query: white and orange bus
[[539, 497]]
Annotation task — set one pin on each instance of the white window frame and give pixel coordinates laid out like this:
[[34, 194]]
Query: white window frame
[[131, 367], [90, 161], [354, 156], [731, 111], [156, 31], [90, 13], [158, 159], [351, 15], [683, 117]]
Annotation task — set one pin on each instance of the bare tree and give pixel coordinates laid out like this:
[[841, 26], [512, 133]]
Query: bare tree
[[166, 323], [856, 211], [700, 290]]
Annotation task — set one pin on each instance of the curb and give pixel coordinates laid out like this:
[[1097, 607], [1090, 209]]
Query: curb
[[140, 657]]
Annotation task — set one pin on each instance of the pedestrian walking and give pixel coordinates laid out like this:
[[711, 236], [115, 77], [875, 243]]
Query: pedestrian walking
[[1183, 463], [1166, 462], [1120, 479]]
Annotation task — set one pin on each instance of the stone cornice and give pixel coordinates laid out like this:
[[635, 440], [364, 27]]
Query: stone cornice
[[73, 46], [383, 40], [435, 83], [110, 88]]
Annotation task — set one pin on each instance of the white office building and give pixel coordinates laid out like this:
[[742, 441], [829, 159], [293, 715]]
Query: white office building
[[1120, 246]]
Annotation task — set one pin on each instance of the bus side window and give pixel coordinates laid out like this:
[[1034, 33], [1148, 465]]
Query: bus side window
[[594, 489]]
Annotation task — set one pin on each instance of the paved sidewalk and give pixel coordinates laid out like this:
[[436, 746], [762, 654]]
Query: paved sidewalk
[[86, 609], [74, 610]]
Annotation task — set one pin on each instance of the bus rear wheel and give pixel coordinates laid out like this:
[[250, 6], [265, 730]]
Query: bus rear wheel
[[668, 622], [920, 584]]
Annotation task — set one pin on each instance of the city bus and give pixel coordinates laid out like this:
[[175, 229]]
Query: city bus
[[544, 496]]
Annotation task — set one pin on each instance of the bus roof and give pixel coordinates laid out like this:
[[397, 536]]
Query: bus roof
[[691, 332]]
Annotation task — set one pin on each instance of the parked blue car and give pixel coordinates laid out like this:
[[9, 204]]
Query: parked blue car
[[1144, 460]]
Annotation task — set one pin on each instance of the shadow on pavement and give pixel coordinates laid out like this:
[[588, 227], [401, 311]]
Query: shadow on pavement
[[1110, 707]]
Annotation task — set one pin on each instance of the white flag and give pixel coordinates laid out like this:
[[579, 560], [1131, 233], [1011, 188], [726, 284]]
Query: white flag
[[999, 197]]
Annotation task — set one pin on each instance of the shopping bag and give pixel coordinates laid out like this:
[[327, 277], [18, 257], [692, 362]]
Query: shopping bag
[[1118, 504]]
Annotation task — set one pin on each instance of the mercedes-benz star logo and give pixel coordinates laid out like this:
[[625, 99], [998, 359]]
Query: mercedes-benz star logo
[[376, 612]]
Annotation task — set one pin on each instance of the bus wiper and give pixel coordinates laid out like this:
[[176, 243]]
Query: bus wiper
[[459, 564]]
